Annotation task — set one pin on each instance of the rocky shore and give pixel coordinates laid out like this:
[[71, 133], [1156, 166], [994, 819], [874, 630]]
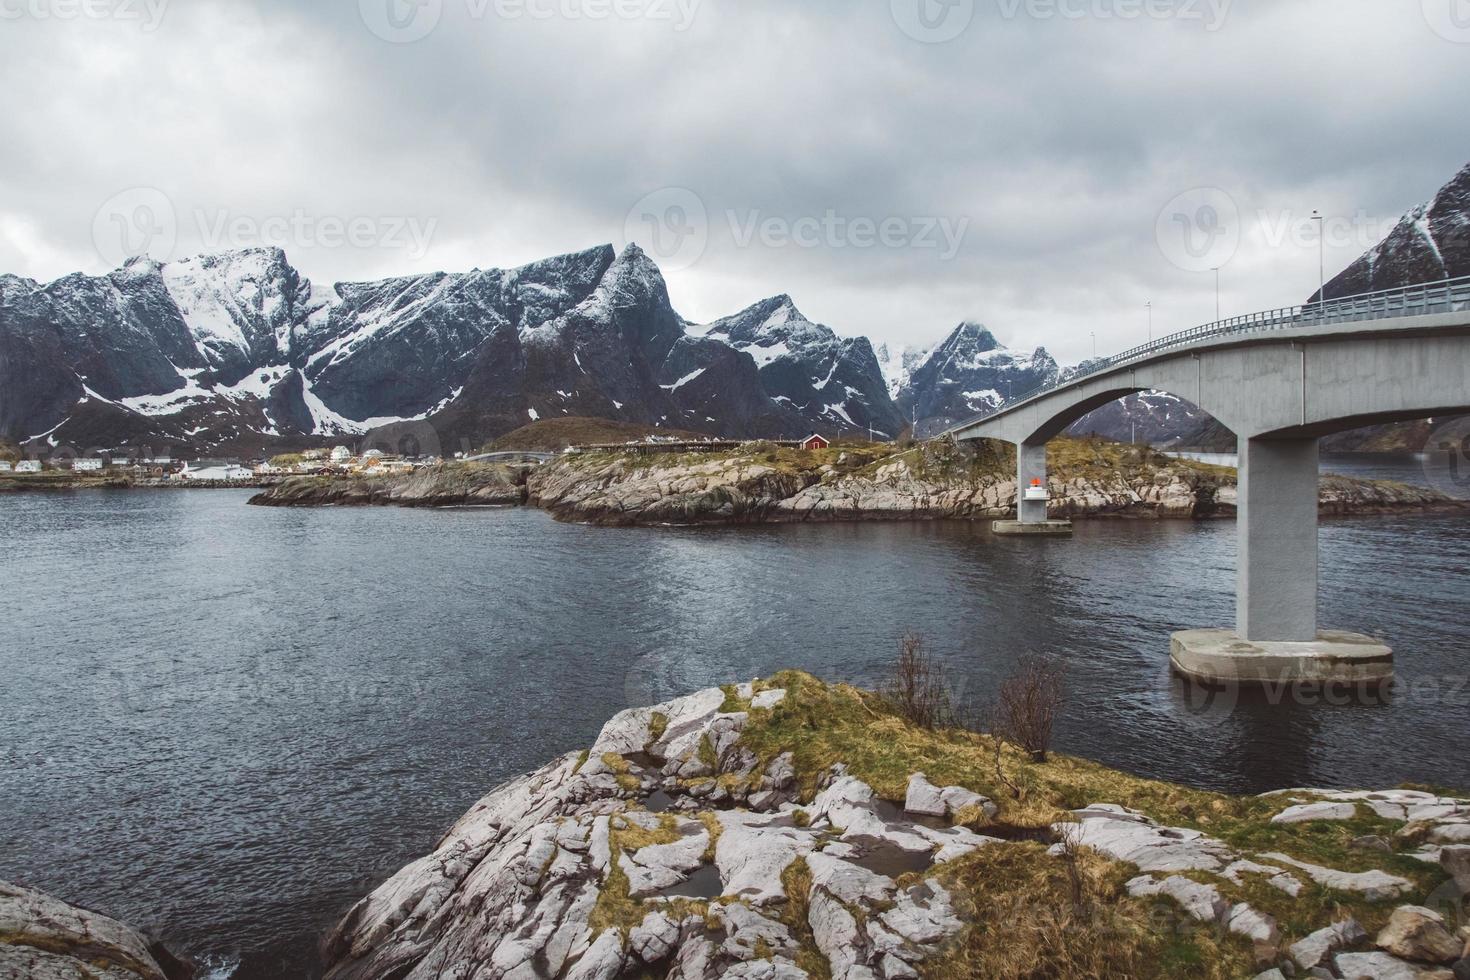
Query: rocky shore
[[43, 938], [762, 483], [789, 829], [447, 485], [929, 481]]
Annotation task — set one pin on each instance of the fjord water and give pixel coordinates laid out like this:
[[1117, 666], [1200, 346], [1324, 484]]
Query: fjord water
[[226, 723]]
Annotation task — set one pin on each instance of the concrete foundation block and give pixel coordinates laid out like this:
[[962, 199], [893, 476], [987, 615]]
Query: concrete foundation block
[[1222, 657], [1043, 529]]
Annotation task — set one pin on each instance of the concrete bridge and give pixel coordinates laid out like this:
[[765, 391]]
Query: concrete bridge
[[1280, 380]]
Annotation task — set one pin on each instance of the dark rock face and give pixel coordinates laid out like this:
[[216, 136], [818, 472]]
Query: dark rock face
[[970, 373], [833, 383], [238, 353], [1430, 243]]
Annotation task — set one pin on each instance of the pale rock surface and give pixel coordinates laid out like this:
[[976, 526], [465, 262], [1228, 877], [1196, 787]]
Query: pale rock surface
[[1417, 933], [1316, 811], [44, 938], [1317, 948]]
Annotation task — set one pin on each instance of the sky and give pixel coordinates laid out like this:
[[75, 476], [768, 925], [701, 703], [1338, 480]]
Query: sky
[[1068, 172]]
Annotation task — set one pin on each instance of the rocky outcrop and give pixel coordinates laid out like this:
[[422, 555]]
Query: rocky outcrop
[[760, 484], [687, 843], [666, 849], [43, 938], [446, 485]]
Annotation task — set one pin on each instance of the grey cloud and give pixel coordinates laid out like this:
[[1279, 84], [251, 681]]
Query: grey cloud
[[1057, 140]]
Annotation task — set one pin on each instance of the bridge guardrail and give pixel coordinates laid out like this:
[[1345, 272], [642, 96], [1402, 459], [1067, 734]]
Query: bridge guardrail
[[1445, 296]]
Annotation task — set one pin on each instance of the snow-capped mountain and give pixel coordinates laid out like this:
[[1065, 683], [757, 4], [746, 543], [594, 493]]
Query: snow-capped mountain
[[898, 362], [832, 380], [969, 373], [238, 352], [1430, 243]]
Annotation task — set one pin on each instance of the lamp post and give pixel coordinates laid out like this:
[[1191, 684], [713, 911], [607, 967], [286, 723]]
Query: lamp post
[[1217, 294], [1321, 220], [1094, 345], [1150, 307]]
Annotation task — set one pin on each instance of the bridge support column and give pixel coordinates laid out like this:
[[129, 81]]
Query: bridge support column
[[1276, 639], [1031, 516], [1276, 581], [1030, 466]]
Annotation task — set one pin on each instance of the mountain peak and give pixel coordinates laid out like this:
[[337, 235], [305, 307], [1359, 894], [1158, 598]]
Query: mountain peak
[[975, 336]]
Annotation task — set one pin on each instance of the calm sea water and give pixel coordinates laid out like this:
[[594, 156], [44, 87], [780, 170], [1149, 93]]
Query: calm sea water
[[226, 723]]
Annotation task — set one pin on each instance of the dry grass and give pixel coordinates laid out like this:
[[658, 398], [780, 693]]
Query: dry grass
[[1022, 921], [796, 880]]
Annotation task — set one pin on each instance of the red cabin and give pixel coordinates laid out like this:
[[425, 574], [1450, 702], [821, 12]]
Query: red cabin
[[815, 442]]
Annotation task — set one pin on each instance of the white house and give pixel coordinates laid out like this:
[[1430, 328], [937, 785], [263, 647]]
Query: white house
[[341, 454], [5, 466], [214, 471], [28, 466], [86, 466]]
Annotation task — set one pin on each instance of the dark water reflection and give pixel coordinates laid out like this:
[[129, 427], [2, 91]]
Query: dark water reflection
[[228, 723]]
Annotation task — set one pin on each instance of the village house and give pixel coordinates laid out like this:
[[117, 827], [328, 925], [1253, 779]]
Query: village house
[[5, 466], [214, 471], [812, 442], [90, 465], [28, 466]]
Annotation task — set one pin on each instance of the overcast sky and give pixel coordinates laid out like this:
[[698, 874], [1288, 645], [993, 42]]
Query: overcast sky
[[1047, 167]]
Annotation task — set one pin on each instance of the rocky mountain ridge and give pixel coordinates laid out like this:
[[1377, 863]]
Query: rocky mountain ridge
[[238, 353]]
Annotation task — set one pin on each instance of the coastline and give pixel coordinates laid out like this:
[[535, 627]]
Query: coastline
[[763, 484]]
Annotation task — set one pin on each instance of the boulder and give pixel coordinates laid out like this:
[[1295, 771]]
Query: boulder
[[924, 798], [1456, 860], [1417, 933], [766, 700], [44, 938], [655, 938], [1317, 949]]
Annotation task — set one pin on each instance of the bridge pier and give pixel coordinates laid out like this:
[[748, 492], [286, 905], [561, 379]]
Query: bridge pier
[[1276, 515], [1031, 516], [1276, 638]]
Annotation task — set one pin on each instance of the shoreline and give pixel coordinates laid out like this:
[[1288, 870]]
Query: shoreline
[[764, 485]]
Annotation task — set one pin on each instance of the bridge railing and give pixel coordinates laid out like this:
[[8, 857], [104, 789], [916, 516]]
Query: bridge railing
[[1445, 296]]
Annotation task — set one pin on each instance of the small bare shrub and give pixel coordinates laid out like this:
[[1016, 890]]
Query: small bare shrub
[[1027, 704], [919, 688]]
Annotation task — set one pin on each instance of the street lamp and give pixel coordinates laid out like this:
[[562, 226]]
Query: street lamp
[[1318, 217], [1150, 306], [1217, 294], [1094, 345]]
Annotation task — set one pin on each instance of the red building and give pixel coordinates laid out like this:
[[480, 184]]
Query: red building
[[815, 442]]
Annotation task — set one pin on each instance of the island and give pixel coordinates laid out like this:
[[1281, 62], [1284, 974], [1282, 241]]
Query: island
[[763, 482]]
